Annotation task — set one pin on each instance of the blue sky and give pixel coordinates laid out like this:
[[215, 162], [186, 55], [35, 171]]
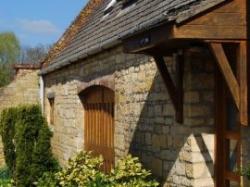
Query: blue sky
[[38, 21]]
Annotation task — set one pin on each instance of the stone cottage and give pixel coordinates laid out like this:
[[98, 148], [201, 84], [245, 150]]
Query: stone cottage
[[164, 80]]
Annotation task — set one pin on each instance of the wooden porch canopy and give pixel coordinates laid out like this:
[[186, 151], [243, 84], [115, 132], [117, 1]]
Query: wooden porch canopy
[[223, 25]]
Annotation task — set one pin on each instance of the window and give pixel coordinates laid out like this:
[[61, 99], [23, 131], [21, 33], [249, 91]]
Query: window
[[125, 4], [51, 110], [110, 6]]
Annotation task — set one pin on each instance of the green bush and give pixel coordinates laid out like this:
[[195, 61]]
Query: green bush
[[7, 130], [81, 171], [5, 183], [5, 180], [48, 179], [27, 148], [129, 172], [245, 171], [84, 170]]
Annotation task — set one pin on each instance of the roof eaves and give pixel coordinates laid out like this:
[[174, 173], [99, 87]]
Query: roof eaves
[[90, 52], [106, 45], [72, 30], [161, 19], [195, 10]]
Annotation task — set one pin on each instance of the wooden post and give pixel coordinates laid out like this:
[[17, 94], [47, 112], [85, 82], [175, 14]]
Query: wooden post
[[242, 79]]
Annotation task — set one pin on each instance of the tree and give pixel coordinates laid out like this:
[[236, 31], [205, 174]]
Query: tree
[[33, 54], [9, 54]]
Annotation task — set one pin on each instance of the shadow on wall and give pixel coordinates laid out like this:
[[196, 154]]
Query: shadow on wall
[[179, 154]]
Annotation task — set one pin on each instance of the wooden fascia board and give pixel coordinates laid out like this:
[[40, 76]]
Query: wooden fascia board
[[226, 21], [148, 39], [225, 68]]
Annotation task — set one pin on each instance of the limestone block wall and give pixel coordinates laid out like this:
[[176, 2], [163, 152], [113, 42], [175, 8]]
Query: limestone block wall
[[23, 90], [178, 154]]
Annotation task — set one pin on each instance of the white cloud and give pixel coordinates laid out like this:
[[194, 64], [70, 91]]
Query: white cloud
[[38, 26]]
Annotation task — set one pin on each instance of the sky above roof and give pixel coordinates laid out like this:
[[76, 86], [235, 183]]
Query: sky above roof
[[38, 22]]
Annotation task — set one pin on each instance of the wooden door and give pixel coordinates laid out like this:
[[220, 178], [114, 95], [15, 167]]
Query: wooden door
[[227, 137], [99, 124]]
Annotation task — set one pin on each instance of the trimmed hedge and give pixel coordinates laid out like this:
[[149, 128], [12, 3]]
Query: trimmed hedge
[[26, 139], [7, 130]]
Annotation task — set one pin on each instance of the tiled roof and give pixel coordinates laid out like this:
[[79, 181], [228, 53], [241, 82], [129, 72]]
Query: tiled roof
[[103, 31], [72, 30]]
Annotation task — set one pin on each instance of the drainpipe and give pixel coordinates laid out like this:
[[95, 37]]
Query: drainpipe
[[41, 83]]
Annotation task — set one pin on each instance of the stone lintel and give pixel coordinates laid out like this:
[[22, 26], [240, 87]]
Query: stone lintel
[[107, 81]]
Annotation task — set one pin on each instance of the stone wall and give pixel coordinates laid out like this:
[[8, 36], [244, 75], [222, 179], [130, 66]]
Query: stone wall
[[24, 89], [179, 154]]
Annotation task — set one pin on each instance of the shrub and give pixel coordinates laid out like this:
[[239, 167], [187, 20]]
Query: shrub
[[129, 172], [5, 183], [28, 144], [42, 158], [245, 171], [5, 180], [7, 124], [47, 180], [84, 170]]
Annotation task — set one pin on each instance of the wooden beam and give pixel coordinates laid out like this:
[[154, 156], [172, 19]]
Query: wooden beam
[[242, 79], [175, 92], [160, 62], [147, 40], [225, 68]]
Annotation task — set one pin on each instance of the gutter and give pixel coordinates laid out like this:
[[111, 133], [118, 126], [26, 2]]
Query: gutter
[[41, 92], [92, 51], [106, 45]]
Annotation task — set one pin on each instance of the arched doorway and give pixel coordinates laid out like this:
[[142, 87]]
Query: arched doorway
[[99, 123]]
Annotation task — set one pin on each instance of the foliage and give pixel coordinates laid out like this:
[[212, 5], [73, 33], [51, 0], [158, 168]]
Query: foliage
[[81, 171], [7, 124], [33, 54], [5, 183], [26, 138], [9, 54], [5, 180], [42, 158], [48, 179], [129, 172], [4, 173], [245, 171], [84, 170]]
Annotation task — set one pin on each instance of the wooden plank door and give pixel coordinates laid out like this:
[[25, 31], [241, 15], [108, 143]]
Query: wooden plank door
[[99, 124]]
